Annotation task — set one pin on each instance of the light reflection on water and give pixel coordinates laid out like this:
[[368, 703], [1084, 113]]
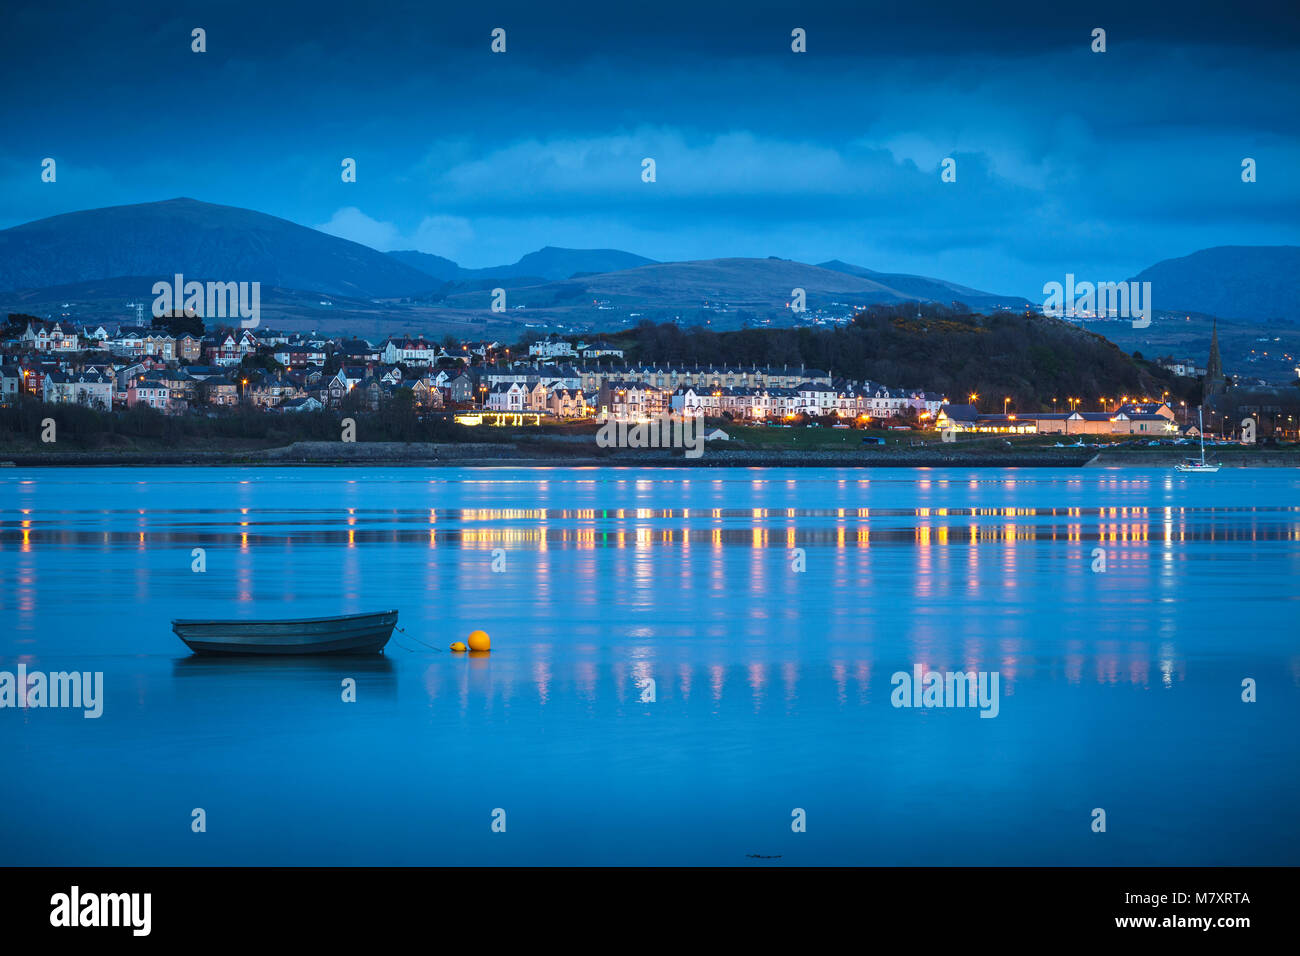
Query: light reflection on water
[[1119, 689]]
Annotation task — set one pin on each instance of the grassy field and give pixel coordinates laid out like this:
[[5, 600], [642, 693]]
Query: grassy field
[[850, 439], [817, 438]]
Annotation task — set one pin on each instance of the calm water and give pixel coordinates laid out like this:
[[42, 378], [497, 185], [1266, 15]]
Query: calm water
[[1119, 689]]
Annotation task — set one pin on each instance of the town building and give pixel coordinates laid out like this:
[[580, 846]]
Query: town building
[[82, 388], [49, 337]]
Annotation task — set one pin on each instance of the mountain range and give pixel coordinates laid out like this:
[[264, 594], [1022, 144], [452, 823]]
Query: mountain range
[[205, 241], [720, 287], [545, 264], [97, 260]]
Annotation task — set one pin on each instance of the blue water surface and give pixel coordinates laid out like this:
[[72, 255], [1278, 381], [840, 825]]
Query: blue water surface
[[770, 609]]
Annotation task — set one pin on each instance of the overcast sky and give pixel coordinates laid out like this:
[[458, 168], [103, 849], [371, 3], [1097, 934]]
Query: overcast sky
[[1067, 160]]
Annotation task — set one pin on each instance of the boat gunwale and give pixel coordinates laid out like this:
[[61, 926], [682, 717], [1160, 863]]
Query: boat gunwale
[[190, 622]]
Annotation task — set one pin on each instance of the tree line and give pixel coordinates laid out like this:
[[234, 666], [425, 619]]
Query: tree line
[[1032, 359]]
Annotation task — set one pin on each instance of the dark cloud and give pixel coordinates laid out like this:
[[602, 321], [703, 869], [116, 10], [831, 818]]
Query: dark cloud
[[1067, 160]]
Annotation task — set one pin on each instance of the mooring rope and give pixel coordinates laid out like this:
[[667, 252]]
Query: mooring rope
[[416, 639]]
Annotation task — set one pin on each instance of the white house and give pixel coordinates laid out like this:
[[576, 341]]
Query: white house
[[815, 398], [410, 351], [511, 397], [598, 351], [307, 404], [697, 401], [78, 389], [49, 337], [11, 383], [550, 350]]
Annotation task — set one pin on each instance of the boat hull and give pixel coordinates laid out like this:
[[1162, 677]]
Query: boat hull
[[348, 634]]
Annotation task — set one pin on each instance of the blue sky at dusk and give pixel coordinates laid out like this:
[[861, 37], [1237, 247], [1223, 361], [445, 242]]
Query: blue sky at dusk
[[1100, 164]]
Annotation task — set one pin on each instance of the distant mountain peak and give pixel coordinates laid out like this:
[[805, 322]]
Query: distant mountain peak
[[922, 287], [202, 240], [1233, 282], [551, 263]]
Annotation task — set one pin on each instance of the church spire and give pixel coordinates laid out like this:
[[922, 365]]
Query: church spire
[[1214, 380]]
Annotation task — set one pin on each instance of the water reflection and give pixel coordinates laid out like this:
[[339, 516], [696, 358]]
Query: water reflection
[[759, 680], [613, 554], [770, 683], [375, 675]]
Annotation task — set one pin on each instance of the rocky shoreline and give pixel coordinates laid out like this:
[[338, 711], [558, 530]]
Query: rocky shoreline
[[543, 454], [552, 454]]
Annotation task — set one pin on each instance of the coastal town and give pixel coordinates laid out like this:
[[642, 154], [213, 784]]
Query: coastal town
[[491, 383]]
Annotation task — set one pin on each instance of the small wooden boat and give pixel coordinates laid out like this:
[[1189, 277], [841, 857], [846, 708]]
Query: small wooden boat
[[347, 634]]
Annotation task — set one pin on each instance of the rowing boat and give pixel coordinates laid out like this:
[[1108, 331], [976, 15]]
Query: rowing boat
[[345, 634]]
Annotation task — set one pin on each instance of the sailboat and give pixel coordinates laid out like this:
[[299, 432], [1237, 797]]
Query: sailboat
[[1191, 464]]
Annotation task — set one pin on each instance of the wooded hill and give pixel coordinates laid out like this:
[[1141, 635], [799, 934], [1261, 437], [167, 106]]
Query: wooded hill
[[1028, 357]]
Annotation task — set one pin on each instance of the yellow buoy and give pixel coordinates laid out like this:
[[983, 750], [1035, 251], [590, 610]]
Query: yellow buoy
[[458, 646], [479, 641]]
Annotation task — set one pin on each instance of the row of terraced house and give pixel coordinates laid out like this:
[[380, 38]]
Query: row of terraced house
[[739, 392]]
